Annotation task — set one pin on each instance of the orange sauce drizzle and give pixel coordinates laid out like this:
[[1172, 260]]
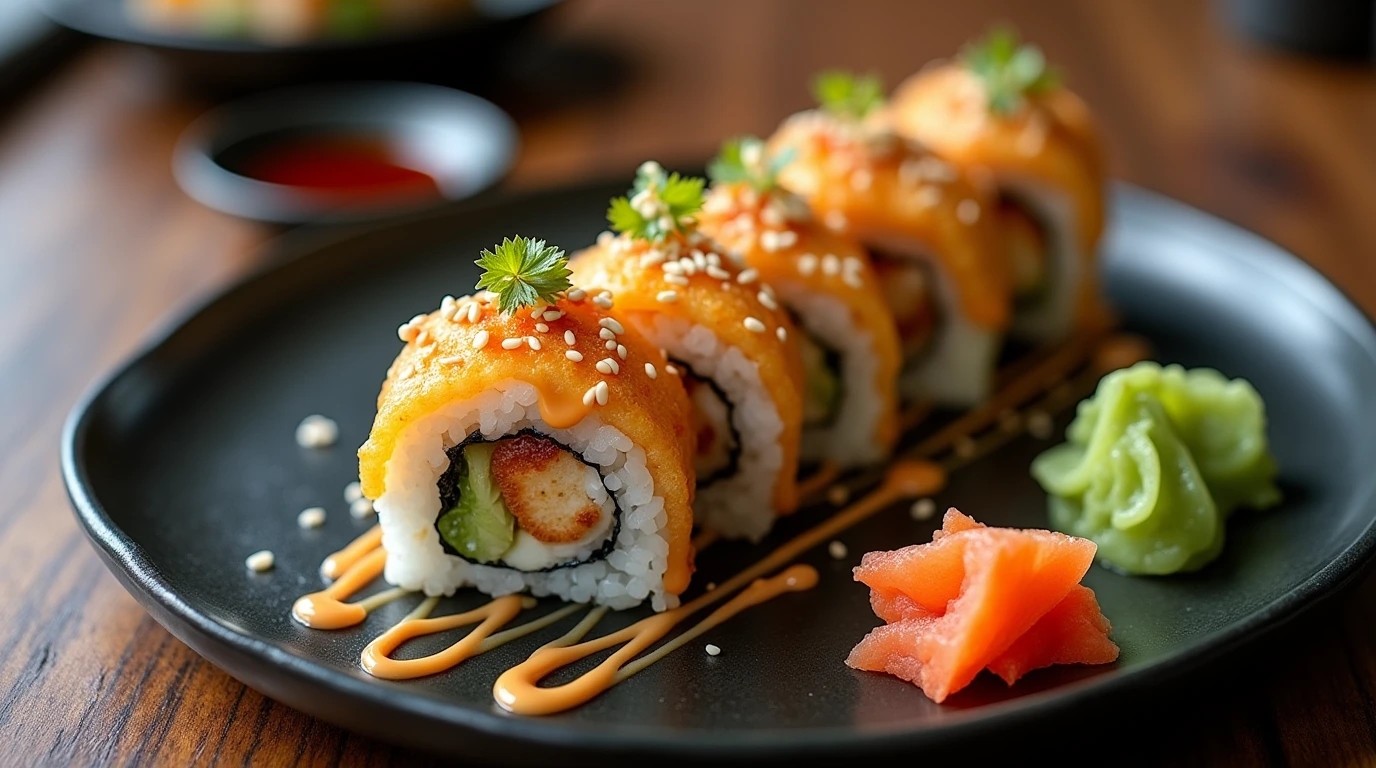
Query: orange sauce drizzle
[[489, 618], [820, 478], [560, 412], [518, 690], [326, 609], [345, 558]]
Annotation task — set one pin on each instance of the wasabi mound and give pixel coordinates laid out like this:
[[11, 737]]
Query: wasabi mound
[[1154, 463]]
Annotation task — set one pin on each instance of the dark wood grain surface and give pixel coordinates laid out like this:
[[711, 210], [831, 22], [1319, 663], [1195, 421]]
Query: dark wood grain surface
[[97, 244]]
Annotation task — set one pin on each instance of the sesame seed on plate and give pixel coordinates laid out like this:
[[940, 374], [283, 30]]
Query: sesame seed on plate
[[353, 491], [311, 518], [666, 297], [747, 276], [316, 431], [602, 392], [837, 550], [512, 343], [712, 650], [361, 508], [260, 561], [922, 509], [569, 338], [574, 355], [650, 370], [753, 324], [480, 339]]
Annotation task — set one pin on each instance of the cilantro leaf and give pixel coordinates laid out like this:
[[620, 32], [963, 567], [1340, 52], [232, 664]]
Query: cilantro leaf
[[658, 206], [523, 271], [846, 94], [744, 159], [1009, 70]]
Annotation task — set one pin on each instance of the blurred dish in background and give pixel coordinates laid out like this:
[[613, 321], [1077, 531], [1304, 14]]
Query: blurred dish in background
[[221, 45], [344, 152], [292, 20]]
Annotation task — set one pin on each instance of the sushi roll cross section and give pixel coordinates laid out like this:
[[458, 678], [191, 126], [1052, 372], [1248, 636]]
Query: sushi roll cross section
[[726, 337], [846, 334], [513, 451]]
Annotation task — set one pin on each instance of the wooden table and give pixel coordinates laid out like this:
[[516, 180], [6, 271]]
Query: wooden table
[[97, 244]]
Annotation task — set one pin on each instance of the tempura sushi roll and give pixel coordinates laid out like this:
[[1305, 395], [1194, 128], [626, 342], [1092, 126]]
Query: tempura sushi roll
[[735, 354], [925, 225], [1001, 112], [845, 331], [526, 440]]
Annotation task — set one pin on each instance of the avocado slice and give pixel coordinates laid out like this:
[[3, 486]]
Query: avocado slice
[[479, 525], [822, 386]]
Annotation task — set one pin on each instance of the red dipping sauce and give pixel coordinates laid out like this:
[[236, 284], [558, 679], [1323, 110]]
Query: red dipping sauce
[[341, 167]]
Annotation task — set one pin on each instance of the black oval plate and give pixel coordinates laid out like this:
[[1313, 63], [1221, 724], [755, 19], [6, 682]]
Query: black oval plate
[[183, 462]]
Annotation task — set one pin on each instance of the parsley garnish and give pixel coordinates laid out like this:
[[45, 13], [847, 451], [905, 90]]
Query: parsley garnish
[[846, 94], [1009, 70], [743, 159], [658, 206], [522, 271]]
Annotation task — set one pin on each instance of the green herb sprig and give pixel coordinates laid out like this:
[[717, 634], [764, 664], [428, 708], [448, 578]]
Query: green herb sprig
[[1010, 70], [658, 206], [846, 94], [744, 159], [523, 271]]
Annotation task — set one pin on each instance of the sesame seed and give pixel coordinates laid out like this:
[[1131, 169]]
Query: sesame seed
[[807, 264], [671, 370], [838, 494], [407, 332], [922, 509], [604, 237], [423, 338], [831, 265], [590, 396], [747, 276], [769, 240], [726, 285], [611, 324], [650, 370], [672, 267], [512, 343], [835, 220], [541, 328], [666, 297], [968, 212], [676, 279], [361, 508], [311, 518], [609, 344], [651, 258], [451, 360], [551, 315], [754, 324], [1039, 424], [353, 491], [621, 351], [480, 339], [474, 311], [608, 366], [533, 342], [576, 294], [837, 550], [717, 272], [574, 355], [603, 302], [316, 431], [260, 561], [602, 392], [690, 267], [447, 313], [569, 338], [767, 300], [782, 333], [712, 650]]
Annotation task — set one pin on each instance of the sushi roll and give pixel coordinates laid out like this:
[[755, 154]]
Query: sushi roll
[[513, 451], [735, 354], [846, 334], [926, 226], [999, 112]]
